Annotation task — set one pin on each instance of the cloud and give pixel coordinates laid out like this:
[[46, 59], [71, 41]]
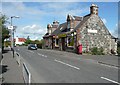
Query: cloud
[[34, 31], [22, 10], [32, 15], [62, 8], [43, 10], [104, 20]]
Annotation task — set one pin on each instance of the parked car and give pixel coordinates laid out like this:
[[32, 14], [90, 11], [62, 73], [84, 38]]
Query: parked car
[[32, 47]]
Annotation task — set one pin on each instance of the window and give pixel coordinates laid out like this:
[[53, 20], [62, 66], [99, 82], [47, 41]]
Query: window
[[68, 26], [70, 41], [56, 42]]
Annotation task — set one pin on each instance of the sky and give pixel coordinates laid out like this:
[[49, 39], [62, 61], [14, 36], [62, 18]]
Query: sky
[[34, 16]]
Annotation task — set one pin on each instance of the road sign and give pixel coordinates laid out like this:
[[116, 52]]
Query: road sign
[[10, 27]]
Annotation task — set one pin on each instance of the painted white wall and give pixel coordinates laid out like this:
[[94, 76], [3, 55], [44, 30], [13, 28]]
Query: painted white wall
[[17, 42]]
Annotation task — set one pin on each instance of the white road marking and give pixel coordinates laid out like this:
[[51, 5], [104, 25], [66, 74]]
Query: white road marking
[[31, 51], [109, 66], [42, 55], [110, 80], [45, 56], [39, 54], [18, 49], [67, 64]]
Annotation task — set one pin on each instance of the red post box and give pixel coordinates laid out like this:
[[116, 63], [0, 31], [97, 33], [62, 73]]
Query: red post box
[[80, 49]]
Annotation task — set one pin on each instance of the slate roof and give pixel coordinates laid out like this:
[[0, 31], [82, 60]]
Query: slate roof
[[77, 18], [62, 28], [85, 18]]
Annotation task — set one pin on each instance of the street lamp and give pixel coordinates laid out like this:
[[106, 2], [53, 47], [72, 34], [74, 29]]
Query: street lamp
[[13, 17], [12, 31]]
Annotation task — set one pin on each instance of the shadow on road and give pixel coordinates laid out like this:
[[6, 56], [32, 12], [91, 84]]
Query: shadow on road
[[118, 55], [4, 69]]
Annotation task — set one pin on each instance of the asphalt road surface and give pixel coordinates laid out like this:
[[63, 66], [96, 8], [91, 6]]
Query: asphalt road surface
[[49, 66]]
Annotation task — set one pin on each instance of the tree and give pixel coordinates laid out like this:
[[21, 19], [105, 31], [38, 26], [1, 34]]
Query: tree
[[3, 29], [28, 38], [40, 43], [28, 41]]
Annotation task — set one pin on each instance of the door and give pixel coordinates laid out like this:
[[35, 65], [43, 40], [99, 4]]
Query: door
[[63, 44]]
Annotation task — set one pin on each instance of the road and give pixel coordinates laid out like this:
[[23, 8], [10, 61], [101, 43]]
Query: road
[[49, 66]]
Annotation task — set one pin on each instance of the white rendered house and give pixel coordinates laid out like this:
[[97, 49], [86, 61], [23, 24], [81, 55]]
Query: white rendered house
[[19, 41]]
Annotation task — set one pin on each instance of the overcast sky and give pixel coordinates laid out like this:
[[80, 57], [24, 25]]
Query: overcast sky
[[34, 16]]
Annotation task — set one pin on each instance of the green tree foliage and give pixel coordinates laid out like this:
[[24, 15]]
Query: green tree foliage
[[4, 29], [28, 41], [39, 43], [28, 38], [94, 50]]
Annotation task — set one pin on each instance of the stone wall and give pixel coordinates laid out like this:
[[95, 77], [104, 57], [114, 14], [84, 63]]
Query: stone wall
[[95, 34]]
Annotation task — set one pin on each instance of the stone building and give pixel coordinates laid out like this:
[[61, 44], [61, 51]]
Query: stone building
[[89, 31]]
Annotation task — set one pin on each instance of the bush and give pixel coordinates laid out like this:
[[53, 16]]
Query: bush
[[118, 50], [94, 51], [100, 51], [97, 51], [39, 45]]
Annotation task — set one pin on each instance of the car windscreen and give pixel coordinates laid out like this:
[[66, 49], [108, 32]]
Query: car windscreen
[[32, 45]]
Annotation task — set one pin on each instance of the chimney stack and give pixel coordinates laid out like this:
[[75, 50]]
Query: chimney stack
[[94, 9]]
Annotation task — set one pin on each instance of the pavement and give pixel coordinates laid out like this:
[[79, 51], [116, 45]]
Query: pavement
[[11, 71]]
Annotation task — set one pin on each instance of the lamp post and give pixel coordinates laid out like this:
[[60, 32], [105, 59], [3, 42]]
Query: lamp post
[[12, 31]]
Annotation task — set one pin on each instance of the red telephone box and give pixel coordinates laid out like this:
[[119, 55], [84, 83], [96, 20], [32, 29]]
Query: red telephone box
[[80, 49]]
